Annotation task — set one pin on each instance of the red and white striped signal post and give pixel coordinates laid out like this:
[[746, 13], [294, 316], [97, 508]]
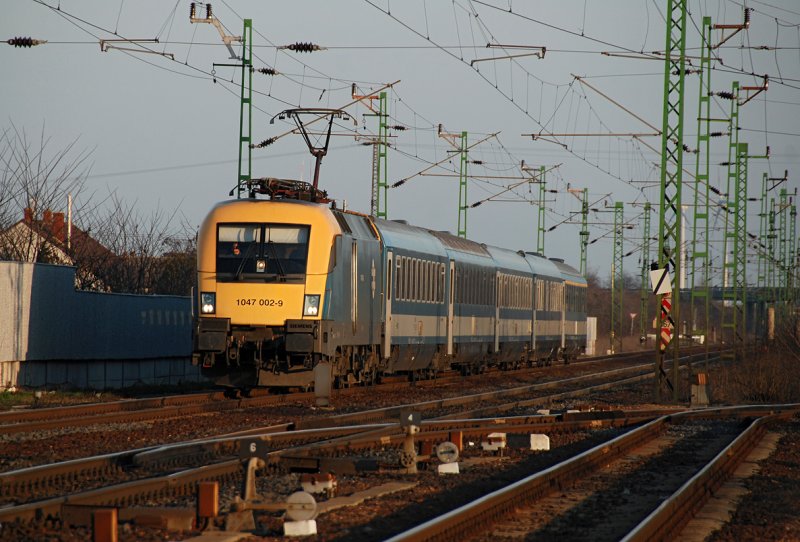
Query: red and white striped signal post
[[662, 285], [667, 324]]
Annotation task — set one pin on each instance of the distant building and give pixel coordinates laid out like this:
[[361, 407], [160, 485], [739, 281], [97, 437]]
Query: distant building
[[50, 239]]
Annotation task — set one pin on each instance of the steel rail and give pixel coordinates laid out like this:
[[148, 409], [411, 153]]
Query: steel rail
[[667, 521], [470, 518], [38, 419], [368, 436]]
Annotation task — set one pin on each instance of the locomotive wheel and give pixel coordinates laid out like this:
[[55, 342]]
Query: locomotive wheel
[[233, 393]]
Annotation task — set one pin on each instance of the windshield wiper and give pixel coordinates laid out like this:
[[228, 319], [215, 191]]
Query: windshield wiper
[[244, 260], [281, 272]]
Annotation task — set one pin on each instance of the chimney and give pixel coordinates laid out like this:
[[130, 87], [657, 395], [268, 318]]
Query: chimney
[[28, 215], [59, 227], [47, 220]]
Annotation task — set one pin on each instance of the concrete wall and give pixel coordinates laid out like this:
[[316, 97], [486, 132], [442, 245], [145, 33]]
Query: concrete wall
[[51, 334]]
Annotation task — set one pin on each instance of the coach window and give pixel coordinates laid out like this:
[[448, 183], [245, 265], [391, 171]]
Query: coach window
[[407, 278], [427, 267], [409, 295], [420, 282]]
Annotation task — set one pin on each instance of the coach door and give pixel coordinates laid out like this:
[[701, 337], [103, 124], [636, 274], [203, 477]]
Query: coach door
[[387, 320], [498, 286], [450, 308]]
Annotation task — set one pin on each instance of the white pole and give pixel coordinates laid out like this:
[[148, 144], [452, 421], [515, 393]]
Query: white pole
[[69, 221]]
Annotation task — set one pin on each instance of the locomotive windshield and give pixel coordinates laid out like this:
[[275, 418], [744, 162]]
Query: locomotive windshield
[[261, 252]]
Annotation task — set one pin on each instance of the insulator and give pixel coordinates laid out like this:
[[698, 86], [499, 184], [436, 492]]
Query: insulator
[[477, 162], [24, 42], [747, 16], [209, 14], [399, 127], [303, 47], [265, 143], [268, 71], [192, 11], [726, 95], [716, 134]]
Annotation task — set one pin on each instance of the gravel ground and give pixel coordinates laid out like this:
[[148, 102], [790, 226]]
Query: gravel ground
[[769, 513]]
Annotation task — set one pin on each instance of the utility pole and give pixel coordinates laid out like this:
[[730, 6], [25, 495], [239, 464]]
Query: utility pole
[[461, 148], [729, 234], [645, 290], [584, 233], [669, 241], [380, 147], [791, 270], [617, 280], [734, 294], [246, 107], [540, 224], [762, 280], [246, 94], [783, 252], [700, 297]]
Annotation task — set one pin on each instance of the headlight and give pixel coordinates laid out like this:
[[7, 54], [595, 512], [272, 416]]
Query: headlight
[[311, 305], [208, 302]]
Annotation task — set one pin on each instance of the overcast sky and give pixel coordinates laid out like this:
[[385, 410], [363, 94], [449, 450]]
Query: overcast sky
[[164, 134]]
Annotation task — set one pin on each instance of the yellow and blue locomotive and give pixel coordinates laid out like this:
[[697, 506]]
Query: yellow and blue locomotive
[[285, 283]]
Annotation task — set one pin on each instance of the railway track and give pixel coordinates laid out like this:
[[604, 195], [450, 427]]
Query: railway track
[[137, 476], [620, 475], [176, 406], [336, 432], [32, 481], [287, 449]]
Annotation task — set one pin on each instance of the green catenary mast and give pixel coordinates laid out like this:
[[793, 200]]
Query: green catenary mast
[[645, 278], [246, 108], [669, 237], [729, 233], [700, 261], [541, 216], [617, 279]]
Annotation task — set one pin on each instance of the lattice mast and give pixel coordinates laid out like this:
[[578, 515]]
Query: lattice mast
[[669, 237], [700, 260], [792, 269], [540, 221], [645, 276], [584, 231], [762, 271], [729, 233], [246, 109], [739, 259], [244, 173], [783, 249], [459, 143], [583, 196], [381, 180], [617, 280], [379, 195], [763, 233]]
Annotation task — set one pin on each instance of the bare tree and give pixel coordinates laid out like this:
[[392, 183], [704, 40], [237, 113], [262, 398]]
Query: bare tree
[[38, 181], [139, 247], [113, 246]]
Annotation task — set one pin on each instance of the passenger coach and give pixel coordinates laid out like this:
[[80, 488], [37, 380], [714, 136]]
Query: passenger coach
[[285, 284]]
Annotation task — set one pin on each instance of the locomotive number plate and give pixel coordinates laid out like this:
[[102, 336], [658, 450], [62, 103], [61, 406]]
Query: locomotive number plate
[[259, 302]]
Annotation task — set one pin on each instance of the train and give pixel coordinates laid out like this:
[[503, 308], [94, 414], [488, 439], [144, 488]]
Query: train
[[287, 282]]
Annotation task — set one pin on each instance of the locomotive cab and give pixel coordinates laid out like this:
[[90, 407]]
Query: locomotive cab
[[262, 274]]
